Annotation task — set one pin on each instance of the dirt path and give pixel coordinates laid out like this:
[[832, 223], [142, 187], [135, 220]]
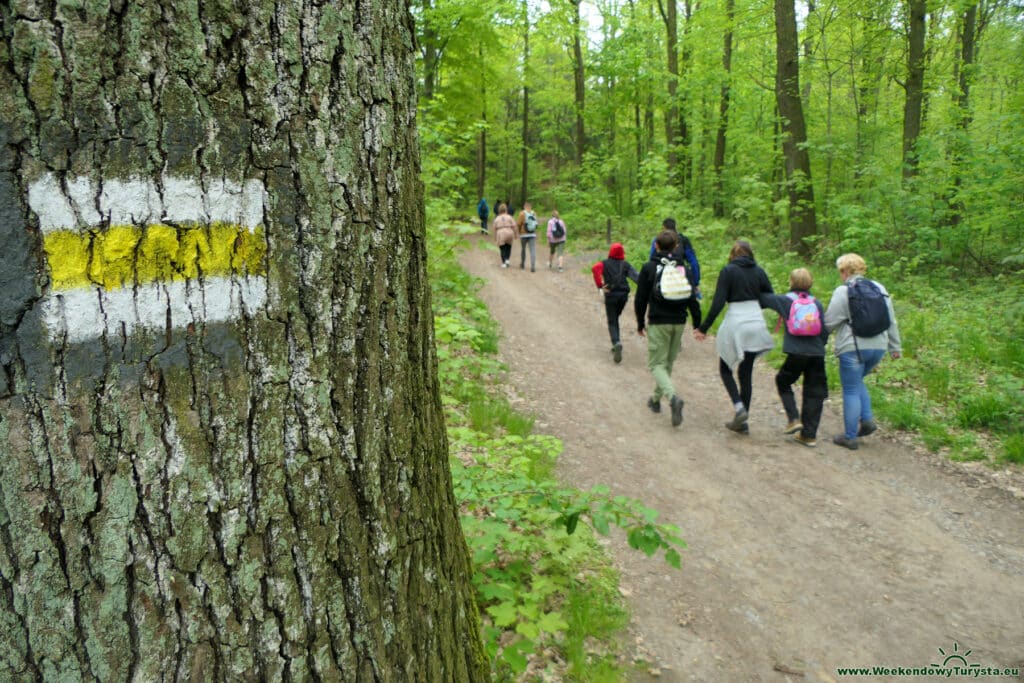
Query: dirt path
[[799, 559]]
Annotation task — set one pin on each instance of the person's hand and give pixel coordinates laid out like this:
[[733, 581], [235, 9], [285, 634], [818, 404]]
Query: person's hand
[[698, 335], [640, 331], [896, 354]]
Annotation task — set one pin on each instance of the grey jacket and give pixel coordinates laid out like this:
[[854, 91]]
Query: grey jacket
[[837, 321]]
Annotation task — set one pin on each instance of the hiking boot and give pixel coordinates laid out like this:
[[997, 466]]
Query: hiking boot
[[617, 353], [841, 440], [867, 427], [677, 411], [740, 418], [808, 441], [793, 427], [654, 406]]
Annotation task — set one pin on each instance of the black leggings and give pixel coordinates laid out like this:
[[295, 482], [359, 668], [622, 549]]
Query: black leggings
[[746, 373], [506, 252]]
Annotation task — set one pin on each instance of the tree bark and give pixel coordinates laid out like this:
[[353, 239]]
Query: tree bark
[[802, 222], [723, 109], [669, 15], [225, 452], [913, 104], [963, 73], [580, 81], [481, 156], [523, 196]]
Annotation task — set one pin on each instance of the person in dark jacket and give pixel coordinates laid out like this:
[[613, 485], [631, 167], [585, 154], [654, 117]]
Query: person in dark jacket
[[805, 355], [662, 323], [484, 212], [683, 251], [611, 277], [743, 336]]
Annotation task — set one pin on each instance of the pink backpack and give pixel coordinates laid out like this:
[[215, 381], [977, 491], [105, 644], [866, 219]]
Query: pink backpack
[[804, 317]]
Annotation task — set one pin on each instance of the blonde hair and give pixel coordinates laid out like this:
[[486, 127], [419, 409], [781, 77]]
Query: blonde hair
[[851, 264], [800, 279]]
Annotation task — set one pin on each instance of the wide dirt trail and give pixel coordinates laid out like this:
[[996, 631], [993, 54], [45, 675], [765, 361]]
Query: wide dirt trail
[[800, 560]]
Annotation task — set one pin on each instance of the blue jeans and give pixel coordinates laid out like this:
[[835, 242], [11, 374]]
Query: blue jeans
[[856, 400]]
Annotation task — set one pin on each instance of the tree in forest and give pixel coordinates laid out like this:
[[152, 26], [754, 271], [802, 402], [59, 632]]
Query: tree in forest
[[794, 131], [723, 109], [914, 85], [579, 80], [669, 16], [224, 451]]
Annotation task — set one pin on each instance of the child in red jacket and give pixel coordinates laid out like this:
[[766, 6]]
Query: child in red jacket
[[610, 276]]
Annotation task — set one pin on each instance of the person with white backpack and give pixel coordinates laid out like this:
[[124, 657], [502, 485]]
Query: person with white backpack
[[804, 345], [743, 335], [664, 296], [527, 225]]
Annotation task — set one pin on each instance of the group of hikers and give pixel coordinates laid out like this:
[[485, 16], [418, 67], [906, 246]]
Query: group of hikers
[[860, 317], [506, 230]]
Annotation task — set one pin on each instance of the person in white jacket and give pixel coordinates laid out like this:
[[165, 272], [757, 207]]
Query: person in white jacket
[[858, 354]]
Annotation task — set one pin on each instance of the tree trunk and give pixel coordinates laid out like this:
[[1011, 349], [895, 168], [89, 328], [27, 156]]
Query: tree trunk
[[912, 107], [523, 196], [964, 72], [580, 82], [723, 109], [481, 150], [794, 132], [669, 17], [430, 52], [226, 457]]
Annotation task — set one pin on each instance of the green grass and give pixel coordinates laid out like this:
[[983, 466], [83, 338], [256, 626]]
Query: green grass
[[1013, 449]]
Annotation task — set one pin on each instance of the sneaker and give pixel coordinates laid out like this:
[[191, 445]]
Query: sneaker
[[505, 264], [677, 411], [617, 353], [841, 440], [793, 427], [522, 267], [867, 427], [533, 269], [654, 406], [738, 419], [560, 269], [808, 441], [742, 428]]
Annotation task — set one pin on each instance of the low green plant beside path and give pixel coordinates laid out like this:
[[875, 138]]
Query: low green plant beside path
[[547, 593]]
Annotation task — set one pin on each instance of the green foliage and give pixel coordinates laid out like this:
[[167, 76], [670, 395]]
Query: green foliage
[[540, 577]]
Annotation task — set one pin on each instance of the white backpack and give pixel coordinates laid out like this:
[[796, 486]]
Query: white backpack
[[671, 283]]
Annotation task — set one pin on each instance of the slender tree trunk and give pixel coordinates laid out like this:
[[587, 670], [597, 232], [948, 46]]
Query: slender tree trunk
[[225, 456], [526, 106], [685, 160], [580, 81], [430, 51], [481, 150], [912, 107], [802, 222], [962, 97], [723, 109], [669, 18], [805, 94]]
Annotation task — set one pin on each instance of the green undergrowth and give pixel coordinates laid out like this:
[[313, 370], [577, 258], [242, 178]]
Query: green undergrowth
[[960, 382], [547, 593]]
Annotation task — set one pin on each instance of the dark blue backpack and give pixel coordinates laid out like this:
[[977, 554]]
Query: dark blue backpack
[[869, 312]]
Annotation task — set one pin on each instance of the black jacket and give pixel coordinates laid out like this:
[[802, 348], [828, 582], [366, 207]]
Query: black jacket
[[741, 280], [661, 312]]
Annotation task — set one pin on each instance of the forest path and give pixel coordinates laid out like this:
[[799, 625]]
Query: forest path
[[799, 559]]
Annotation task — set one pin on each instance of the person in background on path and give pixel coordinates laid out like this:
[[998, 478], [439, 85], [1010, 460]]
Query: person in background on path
[[612, 277], [858, 355], [556, 240], [504, 233], [743, 336], [662, 322], [805, 355], [526, 225], [683, 251], [484, 212]]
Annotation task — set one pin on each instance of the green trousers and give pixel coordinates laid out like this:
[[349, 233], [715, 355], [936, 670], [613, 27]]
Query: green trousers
[[663, 343]]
